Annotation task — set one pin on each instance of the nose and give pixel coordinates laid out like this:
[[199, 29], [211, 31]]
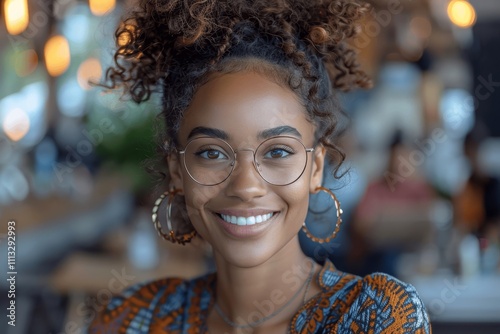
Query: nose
[[245, 182]]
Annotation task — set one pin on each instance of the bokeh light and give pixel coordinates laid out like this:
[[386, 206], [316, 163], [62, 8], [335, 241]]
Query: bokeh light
[[89, 70], [16, 124], [461, 13], [16, 16], [76, 27], [457, 112], [101, 7], [14, 108], [57, 55], [71, 98], [13, 180]]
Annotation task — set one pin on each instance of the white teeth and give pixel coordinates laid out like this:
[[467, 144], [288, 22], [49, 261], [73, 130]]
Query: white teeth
[[251, 220], [246, 220]]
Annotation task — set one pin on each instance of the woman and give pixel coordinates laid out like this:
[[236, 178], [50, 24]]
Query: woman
[[250, 118]]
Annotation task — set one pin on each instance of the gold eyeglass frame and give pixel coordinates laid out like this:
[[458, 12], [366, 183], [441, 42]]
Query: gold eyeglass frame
[[233, 163]]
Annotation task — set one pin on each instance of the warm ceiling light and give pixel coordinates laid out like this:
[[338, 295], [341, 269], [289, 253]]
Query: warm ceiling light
[[89, 70], [16, 16], [16, 124], [57, 56], [101, 7], [461, 13]]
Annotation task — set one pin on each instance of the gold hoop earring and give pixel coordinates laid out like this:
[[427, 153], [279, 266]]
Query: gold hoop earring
[[170, 236], [337, 224]]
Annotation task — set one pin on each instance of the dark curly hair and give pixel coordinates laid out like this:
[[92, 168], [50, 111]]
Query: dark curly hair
[[172, 46]]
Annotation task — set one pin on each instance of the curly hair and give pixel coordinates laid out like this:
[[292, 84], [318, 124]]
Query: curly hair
[[172, 46]]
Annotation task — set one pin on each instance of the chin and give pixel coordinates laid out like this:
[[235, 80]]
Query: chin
[[246, 260], [249, 254]]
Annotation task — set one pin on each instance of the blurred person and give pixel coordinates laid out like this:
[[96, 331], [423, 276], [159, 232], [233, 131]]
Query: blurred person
[[392, 216], [251, 117], [477, 204]]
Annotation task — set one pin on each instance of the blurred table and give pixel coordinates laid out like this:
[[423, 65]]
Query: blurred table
[[450, 299], [90, 273], [92, 278]]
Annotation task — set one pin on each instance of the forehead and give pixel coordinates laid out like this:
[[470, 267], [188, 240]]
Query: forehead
[[244, 104]]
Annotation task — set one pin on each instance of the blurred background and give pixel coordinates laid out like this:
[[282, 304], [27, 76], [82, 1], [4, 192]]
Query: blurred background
[[421, 192]]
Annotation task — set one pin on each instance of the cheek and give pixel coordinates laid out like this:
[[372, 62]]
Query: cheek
[[196, 194], [196, 197], [296, 196]]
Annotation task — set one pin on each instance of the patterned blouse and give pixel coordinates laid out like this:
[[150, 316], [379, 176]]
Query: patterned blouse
[[377, 303]]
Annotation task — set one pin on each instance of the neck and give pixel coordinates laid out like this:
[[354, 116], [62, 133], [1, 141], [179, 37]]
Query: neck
[[247, 295]]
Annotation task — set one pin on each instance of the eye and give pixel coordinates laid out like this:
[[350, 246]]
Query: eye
[[279, 152], [211, 154]]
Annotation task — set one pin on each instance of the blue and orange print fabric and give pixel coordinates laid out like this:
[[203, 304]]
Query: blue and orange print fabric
[[377, 303]]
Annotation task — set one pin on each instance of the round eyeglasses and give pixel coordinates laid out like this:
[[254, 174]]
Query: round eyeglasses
[[279, 160]]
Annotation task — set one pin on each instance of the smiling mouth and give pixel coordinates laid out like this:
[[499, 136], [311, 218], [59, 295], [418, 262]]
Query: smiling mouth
[[251, 220]]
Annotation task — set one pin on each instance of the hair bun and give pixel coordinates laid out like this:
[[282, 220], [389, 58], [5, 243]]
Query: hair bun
[[319, 35]]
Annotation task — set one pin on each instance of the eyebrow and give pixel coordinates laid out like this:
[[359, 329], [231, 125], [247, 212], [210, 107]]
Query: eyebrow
[[211, 132], [268, 133], [278, 131]]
